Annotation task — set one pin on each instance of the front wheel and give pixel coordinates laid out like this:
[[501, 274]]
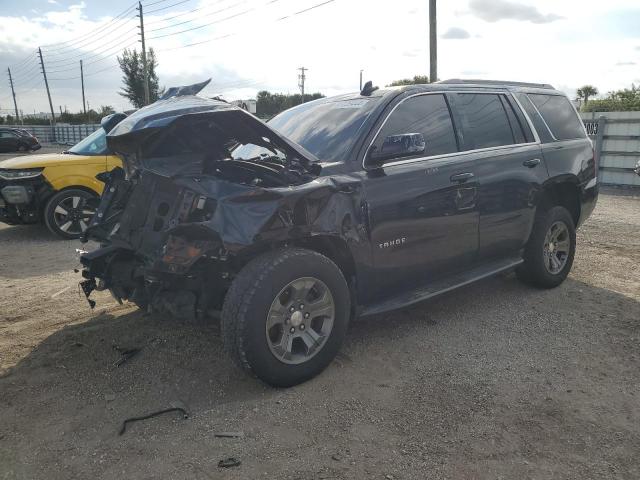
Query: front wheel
[[550, 250], [286, 315], [69, 212]]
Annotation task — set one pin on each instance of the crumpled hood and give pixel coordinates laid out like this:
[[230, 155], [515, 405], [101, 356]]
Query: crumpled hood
[[51, 160], [133, 131]]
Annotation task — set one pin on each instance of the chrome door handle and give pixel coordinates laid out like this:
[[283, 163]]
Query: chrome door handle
[[461, 177], [533, 162]]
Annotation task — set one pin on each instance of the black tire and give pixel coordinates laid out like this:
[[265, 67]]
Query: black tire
[[536, 269], [250, 298], [78, 218], [23, 148]]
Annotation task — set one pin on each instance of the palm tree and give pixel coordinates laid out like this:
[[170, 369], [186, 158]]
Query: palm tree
[[587, 91]]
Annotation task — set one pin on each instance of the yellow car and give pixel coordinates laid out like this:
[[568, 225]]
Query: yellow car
[[59, 189]]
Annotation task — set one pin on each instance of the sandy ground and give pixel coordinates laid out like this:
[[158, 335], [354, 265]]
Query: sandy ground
[[495, 381]]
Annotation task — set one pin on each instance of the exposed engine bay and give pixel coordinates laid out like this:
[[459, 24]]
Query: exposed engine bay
[[204, 185]]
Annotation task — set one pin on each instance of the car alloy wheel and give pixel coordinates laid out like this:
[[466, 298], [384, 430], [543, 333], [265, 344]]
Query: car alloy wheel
[[556, 247], [300, 320], [72, 214]]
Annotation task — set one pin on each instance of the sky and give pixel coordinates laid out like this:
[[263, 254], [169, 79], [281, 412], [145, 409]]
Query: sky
[[249, 45]]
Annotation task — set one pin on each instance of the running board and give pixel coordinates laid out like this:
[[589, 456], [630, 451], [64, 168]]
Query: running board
[[440, 287]]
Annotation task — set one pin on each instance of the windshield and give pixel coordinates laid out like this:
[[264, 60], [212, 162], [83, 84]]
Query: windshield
[[328, 129], [94, 144]]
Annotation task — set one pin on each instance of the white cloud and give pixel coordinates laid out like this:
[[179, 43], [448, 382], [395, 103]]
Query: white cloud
[[495, 10], [456, 33]]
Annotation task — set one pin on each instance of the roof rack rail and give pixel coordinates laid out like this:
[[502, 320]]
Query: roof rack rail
[[498, 82]]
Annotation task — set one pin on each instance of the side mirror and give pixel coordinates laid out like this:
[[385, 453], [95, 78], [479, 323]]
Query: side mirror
[[107, 123], [397, 146]]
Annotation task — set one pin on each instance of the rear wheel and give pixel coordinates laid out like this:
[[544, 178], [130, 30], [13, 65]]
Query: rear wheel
[[286, 315], [549, 253], [69, 212]]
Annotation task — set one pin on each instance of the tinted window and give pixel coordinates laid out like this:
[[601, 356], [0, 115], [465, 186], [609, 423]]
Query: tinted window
[[328, 129], [425, 114], [516, 128], [485, 121], [559, 115], [536, 119]]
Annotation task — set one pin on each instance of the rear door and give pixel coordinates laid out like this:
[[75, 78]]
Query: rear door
[[509, 167], [423, 218]]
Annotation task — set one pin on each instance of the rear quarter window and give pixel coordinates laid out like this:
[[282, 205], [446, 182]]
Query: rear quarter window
[[560, 116]]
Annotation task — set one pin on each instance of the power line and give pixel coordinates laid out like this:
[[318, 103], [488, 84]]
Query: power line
[[300, 12], [92, 33], [108, 47], [77, 52], [205, 25], [168, 6], [186, 13], [201, 16]]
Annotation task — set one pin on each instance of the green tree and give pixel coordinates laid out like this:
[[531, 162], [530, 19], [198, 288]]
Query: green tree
[[269, 104], [585, 92], [625, 100], [416, 80], [133, 77]]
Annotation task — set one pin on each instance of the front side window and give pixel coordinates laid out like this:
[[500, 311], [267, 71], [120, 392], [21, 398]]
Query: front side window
[[485, 120], [425, 114], [559, 115]]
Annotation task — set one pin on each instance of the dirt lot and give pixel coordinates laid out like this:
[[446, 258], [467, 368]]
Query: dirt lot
[[494, 381]]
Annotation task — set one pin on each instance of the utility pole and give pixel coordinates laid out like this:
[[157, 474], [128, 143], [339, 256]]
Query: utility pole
[[15, 104], [144, 56], [84, 104], [433, 43], [46, 84], [301, 78], [361, 80]]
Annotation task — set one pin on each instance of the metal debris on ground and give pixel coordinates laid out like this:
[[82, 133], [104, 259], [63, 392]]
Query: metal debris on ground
[[127, 354], [185, 415], [229, 462], [229, 434]]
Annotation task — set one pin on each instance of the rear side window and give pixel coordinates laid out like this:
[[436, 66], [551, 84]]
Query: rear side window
[[559, 115], [425, 114], [485, 121], [536, 119]]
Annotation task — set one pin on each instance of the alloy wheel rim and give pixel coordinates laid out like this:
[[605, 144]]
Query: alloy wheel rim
[[557, 245], [300, 320], [73, 214]]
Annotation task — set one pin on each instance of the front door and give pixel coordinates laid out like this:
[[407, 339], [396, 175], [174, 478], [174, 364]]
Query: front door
[[423, 217]]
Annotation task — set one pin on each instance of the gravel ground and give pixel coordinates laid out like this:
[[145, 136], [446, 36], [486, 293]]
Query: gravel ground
[[495, 381]]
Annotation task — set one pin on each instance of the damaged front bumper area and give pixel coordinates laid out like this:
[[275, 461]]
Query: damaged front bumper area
[[176, 226], [155, 254], [22, 201]]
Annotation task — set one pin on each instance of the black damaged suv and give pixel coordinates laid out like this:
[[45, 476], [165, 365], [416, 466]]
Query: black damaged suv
[[342, 207]]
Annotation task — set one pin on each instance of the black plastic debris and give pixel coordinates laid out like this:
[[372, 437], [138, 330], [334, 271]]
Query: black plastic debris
[[185, 415], [229, 462]]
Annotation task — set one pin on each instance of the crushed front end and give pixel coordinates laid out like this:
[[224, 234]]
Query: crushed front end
[[187, 210]]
